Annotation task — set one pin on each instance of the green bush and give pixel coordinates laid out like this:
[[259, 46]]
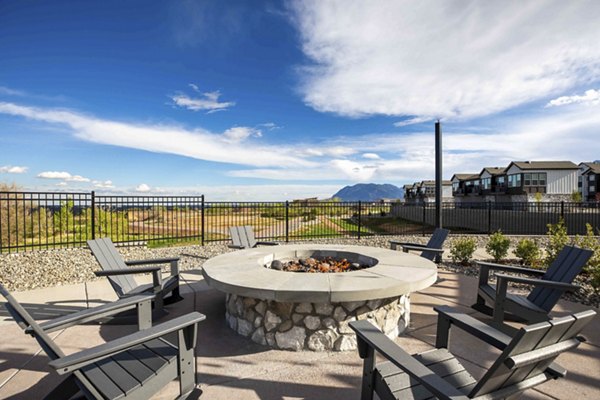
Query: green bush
[[557, 239], [462, 250], [591, 242], [498, 246], [528, 252]]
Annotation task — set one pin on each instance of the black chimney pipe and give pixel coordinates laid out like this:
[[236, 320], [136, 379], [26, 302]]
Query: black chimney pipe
[[438, 174]]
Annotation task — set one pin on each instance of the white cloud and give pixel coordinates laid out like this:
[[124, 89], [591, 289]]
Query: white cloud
[[371, 156], [54, 175], [444, 59], [11, 92], [208, 101], [196, 143], [412, 121], [240, 133], [142, 188], [62, 175], [591, 97], [103, 184], [9, 169]]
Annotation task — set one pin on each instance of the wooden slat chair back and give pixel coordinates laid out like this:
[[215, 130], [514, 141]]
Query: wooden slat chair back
[[109, 259], [242, 236], [25, 320], [526, 359], [568, 264], [136, 367], [524, 362], [435, 242]]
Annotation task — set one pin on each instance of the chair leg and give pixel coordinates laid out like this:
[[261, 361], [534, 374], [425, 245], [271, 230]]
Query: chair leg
[[174, 297]]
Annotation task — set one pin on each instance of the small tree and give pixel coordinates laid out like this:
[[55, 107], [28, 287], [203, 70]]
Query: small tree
[[590, 242], [576, 196], [557, 239], [462, 250], [528, 252], [498, 246]]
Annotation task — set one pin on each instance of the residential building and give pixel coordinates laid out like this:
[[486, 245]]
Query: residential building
[[553, 180], [590, 181]]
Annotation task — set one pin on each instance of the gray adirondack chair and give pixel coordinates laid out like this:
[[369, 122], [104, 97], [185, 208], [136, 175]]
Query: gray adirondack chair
[[431, 251], [135, 366], [120, 274], [545, 294], [242, 237], [526, 360]]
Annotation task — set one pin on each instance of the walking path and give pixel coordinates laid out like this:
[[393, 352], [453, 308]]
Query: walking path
[[233, 367]]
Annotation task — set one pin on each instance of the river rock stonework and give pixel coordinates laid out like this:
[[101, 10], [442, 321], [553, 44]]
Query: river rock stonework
[[313, 326]]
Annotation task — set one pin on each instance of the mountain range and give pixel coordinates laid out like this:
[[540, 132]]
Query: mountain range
[[369, 192]]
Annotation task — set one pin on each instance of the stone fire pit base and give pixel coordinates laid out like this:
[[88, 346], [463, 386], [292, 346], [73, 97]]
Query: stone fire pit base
[[313, 326]]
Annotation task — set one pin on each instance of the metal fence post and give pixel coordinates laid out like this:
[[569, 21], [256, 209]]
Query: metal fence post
[[424, 217], [562, 210], [202, 220], [287, 221], [489, 217], [93, 215], [359, 218]]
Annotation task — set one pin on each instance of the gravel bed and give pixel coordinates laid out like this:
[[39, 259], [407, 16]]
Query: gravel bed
[[47, 268]]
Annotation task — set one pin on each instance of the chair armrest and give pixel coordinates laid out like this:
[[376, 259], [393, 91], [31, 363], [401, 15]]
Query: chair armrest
[[157, 281], [268, 243], [448, 316], [152, 261], [394, 244], [406, 248], [78, 360], [369, 335], [127, 271], [538, 282], [510, 268], [93, 314]]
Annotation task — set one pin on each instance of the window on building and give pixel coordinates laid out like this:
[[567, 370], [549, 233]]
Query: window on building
[[592, 188], [500, 180], [592, 178], [455, 186], [534, 179], [486, 183], [514, 180]]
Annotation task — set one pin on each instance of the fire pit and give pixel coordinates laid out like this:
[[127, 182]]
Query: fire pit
[[296, 311]]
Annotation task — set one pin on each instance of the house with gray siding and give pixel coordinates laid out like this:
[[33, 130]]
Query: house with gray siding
[[553, 180]]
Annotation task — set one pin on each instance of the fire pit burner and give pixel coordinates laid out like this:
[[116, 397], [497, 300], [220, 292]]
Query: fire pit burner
[[314, 264]]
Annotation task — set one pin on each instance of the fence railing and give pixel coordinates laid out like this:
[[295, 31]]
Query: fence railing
[[39, 220]]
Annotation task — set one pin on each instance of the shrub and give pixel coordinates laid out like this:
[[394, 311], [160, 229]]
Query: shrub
[[557, 239], [498, 246], [576, 196], [462, 250], [528, 252], [591, 242]]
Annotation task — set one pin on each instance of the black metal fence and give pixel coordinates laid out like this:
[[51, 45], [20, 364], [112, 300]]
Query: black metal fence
[[38, 220]]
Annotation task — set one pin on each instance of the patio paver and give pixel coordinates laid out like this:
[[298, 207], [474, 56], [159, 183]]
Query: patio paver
[[233, 367]]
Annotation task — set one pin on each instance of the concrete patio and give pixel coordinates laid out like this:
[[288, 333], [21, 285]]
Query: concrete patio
[[233, 367]]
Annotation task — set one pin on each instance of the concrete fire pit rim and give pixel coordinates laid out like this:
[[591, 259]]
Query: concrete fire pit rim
[[243, 273]]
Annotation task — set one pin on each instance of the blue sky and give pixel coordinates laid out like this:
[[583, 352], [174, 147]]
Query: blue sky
[[269, 100]]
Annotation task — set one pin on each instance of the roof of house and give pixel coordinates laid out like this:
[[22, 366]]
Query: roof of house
[[432, 183], [407, 186], [465, 177], [526, 165], [493, 171], [593, 167]]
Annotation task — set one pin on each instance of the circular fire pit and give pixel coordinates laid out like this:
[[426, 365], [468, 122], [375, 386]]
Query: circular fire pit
[[296, 311]]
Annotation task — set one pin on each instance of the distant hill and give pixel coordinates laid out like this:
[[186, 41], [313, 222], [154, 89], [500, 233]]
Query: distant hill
[[369, 192]]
